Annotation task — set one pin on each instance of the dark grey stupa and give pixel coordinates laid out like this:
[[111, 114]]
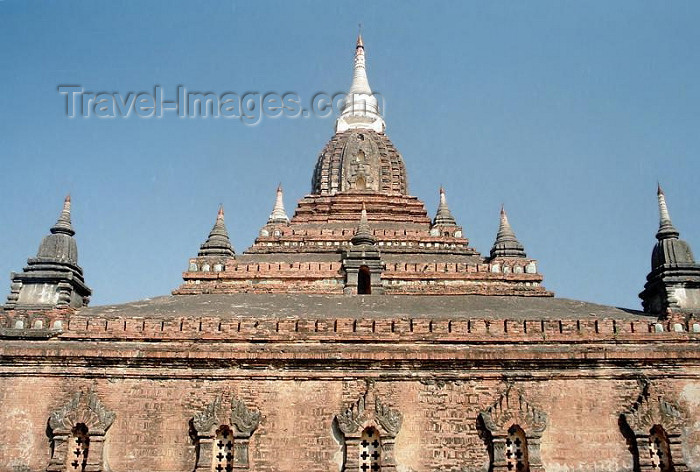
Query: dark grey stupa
[[52, 279], [674, 280], [218, 242], [506, 244], [443, 216]]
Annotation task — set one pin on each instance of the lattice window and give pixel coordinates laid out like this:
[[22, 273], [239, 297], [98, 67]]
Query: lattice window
[[370, 451], [659, 452], [223, 450], [516, 450], [78, 448]]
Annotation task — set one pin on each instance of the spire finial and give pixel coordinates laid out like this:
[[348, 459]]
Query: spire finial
[[506, 244], [278, 215], [218, 242], [360, 109], [63, 224], [360, 44], [666, 228]]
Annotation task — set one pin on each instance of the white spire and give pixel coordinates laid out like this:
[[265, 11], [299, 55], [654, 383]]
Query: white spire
[[278, 215], [360, 109]]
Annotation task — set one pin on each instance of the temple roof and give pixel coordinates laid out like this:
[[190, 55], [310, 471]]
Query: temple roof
[[387, 306]]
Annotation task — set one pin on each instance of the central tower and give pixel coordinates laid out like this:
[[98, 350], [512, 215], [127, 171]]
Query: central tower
[[360, 232]]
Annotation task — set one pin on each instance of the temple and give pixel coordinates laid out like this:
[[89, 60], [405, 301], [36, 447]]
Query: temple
[[362, 334]]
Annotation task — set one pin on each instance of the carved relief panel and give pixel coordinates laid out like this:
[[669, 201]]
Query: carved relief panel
[[361, 164]]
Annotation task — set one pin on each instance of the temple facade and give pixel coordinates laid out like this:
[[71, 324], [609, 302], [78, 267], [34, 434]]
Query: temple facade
[[360, 335]]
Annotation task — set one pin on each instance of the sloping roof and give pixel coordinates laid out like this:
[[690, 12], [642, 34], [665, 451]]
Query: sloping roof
[[386, 306]]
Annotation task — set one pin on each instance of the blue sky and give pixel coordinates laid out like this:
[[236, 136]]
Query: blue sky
[[567, 112]]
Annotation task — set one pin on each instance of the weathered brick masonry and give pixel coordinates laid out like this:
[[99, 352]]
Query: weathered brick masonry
[[360, 335], [156, 365]]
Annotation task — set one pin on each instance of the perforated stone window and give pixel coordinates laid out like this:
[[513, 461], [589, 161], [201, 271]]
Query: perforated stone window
[[370, 451], [79, 448], [223, 450], [516, 450]]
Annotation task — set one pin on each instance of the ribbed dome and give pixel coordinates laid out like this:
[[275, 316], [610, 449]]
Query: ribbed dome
[[671, 251], [359, 160], [58, 247]]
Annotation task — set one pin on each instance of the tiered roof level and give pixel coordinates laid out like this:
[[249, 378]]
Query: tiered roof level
[[360, 168]]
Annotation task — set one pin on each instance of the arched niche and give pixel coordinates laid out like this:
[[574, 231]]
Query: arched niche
[[515, 429], [77, 433], [653, 426], [369, 430], [222, 436]]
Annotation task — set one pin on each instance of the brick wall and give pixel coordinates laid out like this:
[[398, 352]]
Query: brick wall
[[439, 431]]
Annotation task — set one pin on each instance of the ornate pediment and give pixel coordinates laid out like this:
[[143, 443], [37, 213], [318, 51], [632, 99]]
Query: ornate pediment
[[368, 410], [652, 408], [83, 408], [243, 418], [205, 420], [512, 408]]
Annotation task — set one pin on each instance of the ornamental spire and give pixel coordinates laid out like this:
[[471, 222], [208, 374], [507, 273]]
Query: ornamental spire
[[52, 279], [360, 109], [506, 244], [666, 228], [363, 234], [444, 215], [278, 215], [63, 224], [218, 242]]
